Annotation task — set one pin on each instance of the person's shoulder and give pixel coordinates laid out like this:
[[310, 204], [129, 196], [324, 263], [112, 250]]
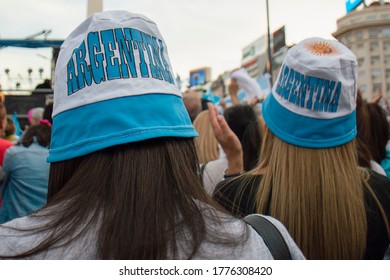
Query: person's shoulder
[[237, 195], [37, 147], [232, 238], [241, 181], [378, 180], [34, 147], [220, 163], [257, 240], [4, 144], [19, 224], [377, 167], [15, 149], [14, 238], [380, 185]]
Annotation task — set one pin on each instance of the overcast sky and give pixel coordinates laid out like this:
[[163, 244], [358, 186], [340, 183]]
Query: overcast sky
[[197, 32]]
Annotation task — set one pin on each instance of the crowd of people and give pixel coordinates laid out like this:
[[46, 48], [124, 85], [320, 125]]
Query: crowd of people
[[124, 166], [24, 169]]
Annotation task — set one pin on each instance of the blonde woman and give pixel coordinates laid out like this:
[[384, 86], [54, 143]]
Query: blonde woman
[[206, 143], [308, 176]]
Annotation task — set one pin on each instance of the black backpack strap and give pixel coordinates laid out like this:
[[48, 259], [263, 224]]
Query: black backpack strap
[[271, 236], [202, 168]]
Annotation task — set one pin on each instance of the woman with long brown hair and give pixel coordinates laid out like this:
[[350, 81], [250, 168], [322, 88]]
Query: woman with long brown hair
[[124, 178], [372, 134], [308, 175]]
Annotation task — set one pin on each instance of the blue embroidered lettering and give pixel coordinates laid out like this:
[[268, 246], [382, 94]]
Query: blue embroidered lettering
[[112, 68], [125, 52], [96, 58], [109, 54], [166, 71], [136, 38], [307, 91], [318, 91], [71, 78], [334, 103], [83, 72]]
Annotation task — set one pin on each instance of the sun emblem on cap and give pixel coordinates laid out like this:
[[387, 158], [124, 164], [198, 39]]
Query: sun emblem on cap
[[322, 48]]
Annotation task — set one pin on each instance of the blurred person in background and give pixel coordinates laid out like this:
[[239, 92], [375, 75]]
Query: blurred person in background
[[26, 174], [4, 144], [10, 131], [244, 122], [34, 115], [192, 102], [48, 112], [206, 143], [371, 127]]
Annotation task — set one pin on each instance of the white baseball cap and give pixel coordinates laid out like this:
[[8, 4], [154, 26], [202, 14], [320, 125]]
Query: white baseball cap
[[313, 100], [114, 84]]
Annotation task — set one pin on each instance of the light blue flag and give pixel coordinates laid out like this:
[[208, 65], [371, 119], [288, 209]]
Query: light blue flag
[[17, 125]]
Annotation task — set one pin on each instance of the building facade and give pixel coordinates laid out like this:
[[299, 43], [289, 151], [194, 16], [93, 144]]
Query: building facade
[[367, 33]]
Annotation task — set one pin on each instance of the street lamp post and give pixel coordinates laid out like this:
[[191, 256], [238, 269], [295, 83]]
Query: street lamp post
[[94, 6], [269, 64]]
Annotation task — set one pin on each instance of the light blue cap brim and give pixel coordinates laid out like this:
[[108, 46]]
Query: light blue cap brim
[[96, 126], [306, 131]]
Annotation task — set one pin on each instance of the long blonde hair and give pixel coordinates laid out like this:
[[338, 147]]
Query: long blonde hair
[[206, 143], [317, 194]]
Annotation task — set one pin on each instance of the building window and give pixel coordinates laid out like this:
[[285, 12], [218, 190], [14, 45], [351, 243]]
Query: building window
[[376, 87], [348, 37], [373, 33], [386, 32], [388, 88], [361, 73], [387, 73], [387, 59], [359, 35], [360, 46], [386, 45], [360, 61], [374, 59], [375, 73], [363, 89], [374, 46]]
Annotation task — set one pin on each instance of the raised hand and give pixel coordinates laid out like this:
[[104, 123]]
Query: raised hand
[[228, 140]]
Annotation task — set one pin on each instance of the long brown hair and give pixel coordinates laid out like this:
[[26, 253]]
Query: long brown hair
[[40, 133], [140, 195], [242, 119], [379, 131], [317, 194], [363, 129], [373, 132]]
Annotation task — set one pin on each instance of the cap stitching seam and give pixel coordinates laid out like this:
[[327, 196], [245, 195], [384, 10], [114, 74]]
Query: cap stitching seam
[[65, 148]]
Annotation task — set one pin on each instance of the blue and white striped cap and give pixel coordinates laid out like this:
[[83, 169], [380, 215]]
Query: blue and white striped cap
[[313, 100], [114, 84]]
